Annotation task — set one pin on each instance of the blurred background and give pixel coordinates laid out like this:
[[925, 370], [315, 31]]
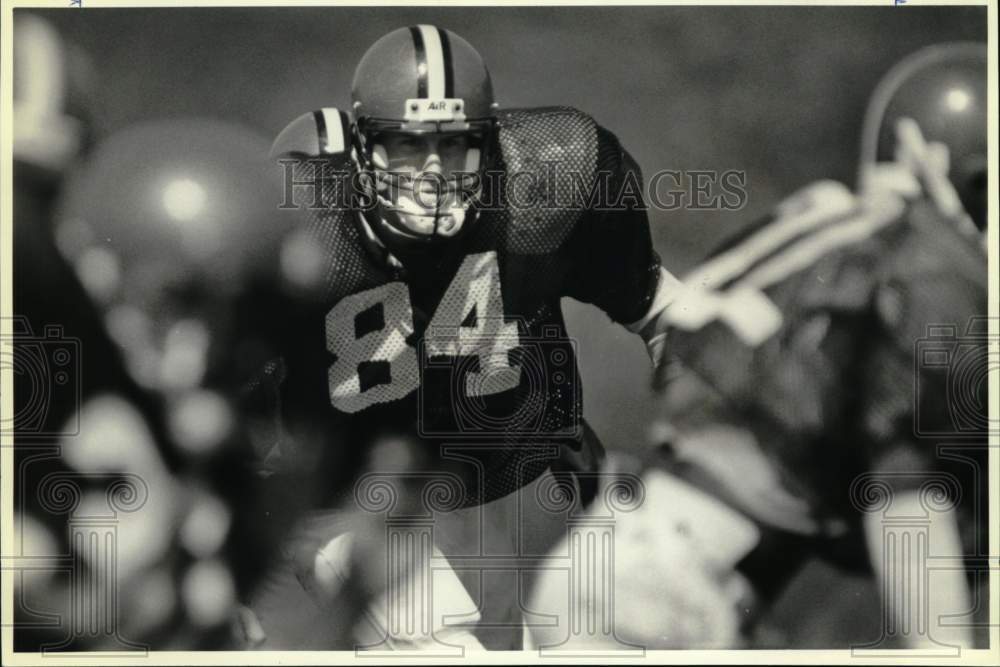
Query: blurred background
[[778, 92]]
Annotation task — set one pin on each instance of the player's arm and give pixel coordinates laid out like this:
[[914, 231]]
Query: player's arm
[[906, 303], [617, 268], [651, 327]]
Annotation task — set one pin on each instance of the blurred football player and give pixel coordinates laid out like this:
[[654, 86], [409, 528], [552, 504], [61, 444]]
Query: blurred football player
[[171, 229], [134, 474], [50, 127], [447, 231], [795, 377], [654, 573]]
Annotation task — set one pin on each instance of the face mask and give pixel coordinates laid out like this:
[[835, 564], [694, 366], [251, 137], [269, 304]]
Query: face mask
[[425, 181]]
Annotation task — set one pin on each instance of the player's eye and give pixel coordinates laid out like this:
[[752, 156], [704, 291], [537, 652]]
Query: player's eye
[[398, 143], [453, 143]]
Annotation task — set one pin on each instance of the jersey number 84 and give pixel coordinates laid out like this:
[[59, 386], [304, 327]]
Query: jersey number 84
[[473, 295]]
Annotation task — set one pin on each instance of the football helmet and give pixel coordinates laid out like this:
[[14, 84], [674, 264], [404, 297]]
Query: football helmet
[[166, 225], [929, 113], [424, 123]]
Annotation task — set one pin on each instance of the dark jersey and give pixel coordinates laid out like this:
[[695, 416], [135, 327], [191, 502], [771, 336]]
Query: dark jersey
[[812, 330], [467, 349]]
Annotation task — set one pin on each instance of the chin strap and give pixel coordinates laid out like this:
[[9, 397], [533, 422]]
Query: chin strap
[[375, 244]]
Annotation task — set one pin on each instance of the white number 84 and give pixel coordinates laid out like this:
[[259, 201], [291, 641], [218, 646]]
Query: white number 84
[[475, 289]]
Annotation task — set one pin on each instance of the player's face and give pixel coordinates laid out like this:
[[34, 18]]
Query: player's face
[[426, 176], [411, 154]]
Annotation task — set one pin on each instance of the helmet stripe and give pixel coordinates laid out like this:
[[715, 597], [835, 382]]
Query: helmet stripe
[[345, 124], [330, 128], [449, 68], [421, 55], [435, 61], [320, 121]]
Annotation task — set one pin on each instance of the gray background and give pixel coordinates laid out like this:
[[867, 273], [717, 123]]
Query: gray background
[[776, 91]]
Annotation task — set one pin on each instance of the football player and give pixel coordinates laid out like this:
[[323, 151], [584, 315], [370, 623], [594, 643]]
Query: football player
[[137, 523], [796, 377], [447, 230]]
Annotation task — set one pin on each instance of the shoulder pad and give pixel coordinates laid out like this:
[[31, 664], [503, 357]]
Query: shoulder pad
[[326, 131], [510, 117], [547, 134], [558, 146]]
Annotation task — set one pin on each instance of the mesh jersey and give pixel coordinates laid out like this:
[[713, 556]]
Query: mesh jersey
[[810, 328], [469, 350]]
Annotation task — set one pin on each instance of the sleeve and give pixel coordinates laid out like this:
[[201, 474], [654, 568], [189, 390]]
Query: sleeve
[[615, 265]]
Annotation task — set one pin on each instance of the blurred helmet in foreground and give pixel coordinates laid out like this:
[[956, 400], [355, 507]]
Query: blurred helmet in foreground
[[929, 113], [170, 228], [167, 225]]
